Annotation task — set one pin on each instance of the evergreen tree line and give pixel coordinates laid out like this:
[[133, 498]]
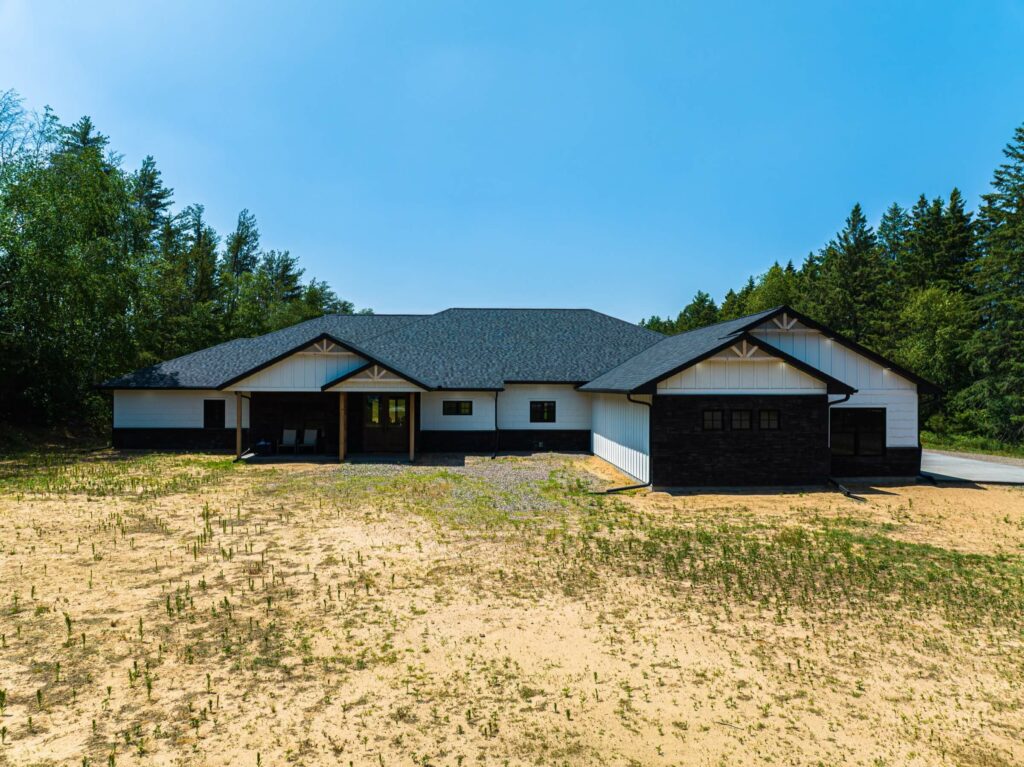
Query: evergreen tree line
[[937, 288], [100, 273]]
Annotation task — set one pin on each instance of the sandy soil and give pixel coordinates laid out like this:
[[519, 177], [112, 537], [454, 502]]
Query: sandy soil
[[988, 519], [264, 619]]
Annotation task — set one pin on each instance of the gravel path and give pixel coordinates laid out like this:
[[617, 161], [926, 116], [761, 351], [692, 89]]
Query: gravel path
[[505, 471], [509, 481]]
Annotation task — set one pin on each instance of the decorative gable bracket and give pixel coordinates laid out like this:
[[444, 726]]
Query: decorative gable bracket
[[785, 322]]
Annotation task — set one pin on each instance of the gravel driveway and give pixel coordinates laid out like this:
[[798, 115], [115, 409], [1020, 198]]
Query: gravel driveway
[[959, 467]]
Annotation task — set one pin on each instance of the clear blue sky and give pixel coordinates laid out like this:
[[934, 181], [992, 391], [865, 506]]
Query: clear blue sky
[[619, 156]]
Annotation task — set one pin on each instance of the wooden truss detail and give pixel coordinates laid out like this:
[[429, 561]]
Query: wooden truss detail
[[743, 350], [325, 346], [785, 323], [376, 373]]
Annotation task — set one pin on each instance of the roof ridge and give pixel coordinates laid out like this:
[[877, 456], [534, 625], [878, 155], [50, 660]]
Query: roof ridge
[[763, 312], [521, 309], [414, 318], [367, 314]]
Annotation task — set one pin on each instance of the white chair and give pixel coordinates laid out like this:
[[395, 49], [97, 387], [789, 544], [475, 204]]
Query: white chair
[[308, 441], [288, 440]]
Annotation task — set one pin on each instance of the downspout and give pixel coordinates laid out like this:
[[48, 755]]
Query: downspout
[[495, 453], [629, 398], [839, 401], [844, 490]]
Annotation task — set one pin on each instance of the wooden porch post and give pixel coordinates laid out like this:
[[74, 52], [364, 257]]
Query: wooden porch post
[[341, 426], [238, 424], [412, 427]]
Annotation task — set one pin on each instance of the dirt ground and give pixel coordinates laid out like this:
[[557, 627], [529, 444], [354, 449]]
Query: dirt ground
[[183, 611]]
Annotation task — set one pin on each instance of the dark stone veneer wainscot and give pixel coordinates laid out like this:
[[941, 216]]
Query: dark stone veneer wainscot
[[683, 454]]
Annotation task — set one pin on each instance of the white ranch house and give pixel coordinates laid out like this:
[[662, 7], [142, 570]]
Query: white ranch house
[[769, 399]]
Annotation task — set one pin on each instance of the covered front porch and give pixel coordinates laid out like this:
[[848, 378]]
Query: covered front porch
[[330, 424]]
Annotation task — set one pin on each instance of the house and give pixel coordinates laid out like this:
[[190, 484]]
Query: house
[[773, 398]]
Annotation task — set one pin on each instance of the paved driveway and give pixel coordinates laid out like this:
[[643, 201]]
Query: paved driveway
[[956, 468]]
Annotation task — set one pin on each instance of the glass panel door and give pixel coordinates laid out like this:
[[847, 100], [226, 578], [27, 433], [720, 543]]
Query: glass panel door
[[385, 423]]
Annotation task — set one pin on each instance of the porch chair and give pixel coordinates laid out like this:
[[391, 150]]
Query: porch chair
[[288, 440], [308, 441]]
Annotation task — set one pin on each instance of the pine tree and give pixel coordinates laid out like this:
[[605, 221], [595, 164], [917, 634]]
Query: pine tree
[[735, 303], [921, 264], [995, 402], [659, 325], [894, 233], [151, 201], [82, 135], [775, 287], [699, 313], [849, 274], [200, 256], [149, 192], [242, 247], [959, 250]]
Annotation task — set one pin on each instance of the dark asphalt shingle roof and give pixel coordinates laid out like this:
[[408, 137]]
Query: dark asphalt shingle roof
[[670, 353], [456, 348], [213, 367], [485, 348]]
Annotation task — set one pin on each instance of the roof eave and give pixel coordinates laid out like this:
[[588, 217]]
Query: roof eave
[[107, 386], [607, 390], [832, 385], [348, 346]]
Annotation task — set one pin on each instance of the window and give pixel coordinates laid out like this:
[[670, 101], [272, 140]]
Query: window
[[396, 411], [740, 420], [457, 407], [768, 420], [858, 431], [712, 420], [542, 411], [371, 416], [213, 414]]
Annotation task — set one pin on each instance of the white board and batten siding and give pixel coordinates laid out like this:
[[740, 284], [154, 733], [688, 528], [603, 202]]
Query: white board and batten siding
[[432, 417], [171, 409], [621, 433], [572, 408], [305, 370], [741, 369], [876, 385]]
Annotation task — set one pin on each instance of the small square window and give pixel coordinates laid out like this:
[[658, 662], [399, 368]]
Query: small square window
[[457, 407], [769, 419], [713, 420], [740, 420], [213, 414], [542, 411]]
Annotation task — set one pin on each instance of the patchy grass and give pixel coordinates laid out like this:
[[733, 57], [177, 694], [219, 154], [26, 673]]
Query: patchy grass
[[183, 610], [843, 565], [107, 473], [969, 444]]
